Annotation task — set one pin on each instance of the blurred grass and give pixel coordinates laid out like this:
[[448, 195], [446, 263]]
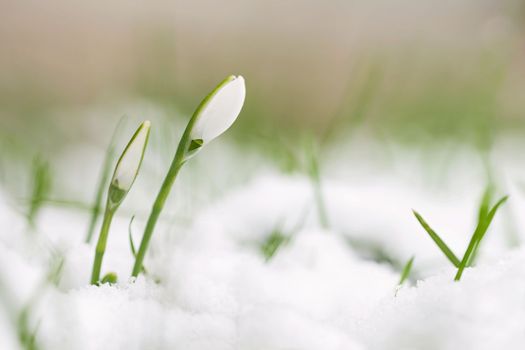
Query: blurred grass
[[427, 72], [40, 189]]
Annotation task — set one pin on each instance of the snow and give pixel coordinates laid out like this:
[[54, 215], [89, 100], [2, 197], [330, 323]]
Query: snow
[[485, 311], [209, 287]]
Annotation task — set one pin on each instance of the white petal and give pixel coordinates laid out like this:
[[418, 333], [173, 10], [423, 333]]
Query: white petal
[[221, 111], [129, 163]]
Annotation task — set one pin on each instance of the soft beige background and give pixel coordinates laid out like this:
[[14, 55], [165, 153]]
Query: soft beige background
[[308, 64]]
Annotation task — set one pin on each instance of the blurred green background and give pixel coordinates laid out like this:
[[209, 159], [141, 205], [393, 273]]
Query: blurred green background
[[414, 71]]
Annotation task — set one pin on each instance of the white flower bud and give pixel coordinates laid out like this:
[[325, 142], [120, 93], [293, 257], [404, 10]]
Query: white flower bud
[[219, 112], [129, 163]]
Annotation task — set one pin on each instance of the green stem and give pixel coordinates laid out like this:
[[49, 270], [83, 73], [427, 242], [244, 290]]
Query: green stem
[[101, 245], [158, 205], [472, 244]]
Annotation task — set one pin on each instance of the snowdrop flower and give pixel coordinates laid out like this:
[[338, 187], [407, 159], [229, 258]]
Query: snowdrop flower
[[129, 164], [125, 174], [218, 112], [215, 114]]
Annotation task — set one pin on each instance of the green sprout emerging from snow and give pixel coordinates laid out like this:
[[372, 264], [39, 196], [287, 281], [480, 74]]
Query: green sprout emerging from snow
[[273, 243], [41, 187], [406, 271], [215, 114], [485, 217], [132, 244], [124, 176]]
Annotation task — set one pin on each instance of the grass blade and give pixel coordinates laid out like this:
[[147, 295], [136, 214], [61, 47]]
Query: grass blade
[[483, 213], [485, 204], [110, 278], [406, 271], [41, 187], [439, 242], [490, 216], [273, 243], [132, 245], [104, 175], [478, 235]]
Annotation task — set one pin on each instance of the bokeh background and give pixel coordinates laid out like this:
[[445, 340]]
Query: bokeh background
[[356, 112], [417, 72]]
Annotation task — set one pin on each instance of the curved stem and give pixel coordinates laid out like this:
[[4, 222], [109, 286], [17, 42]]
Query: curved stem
[[97, 207], [158, 205], [101, 245]]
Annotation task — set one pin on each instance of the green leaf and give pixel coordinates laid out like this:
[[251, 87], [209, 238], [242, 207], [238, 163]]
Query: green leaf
[[27, 334], [485, 204], [406, 270], [110, 278], [55, 272], [490, 216], [195, 144], [41, 187], [105, 173], [477, 237], [439, 242], [483, 213], [132, 245], [273, 243]]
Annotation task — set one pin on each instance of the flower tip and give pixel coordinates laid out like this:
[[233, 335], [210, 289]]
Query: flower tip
[[235, 77], [239, 80], [130, 161]]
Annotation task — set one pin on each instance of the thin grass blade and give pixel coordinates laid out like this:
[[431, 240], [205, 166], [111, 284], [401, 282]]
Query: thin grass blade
[[104, 175], [486, 223], [485, 204], [439, 242], [483, 212], [273, 243], [406, 271], [132, 245], [492, 213], [41, 187], [477, 237]]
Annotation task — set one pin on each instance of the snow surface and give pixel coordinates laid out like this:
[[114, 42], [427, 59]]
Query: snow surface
[[209, 287]]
